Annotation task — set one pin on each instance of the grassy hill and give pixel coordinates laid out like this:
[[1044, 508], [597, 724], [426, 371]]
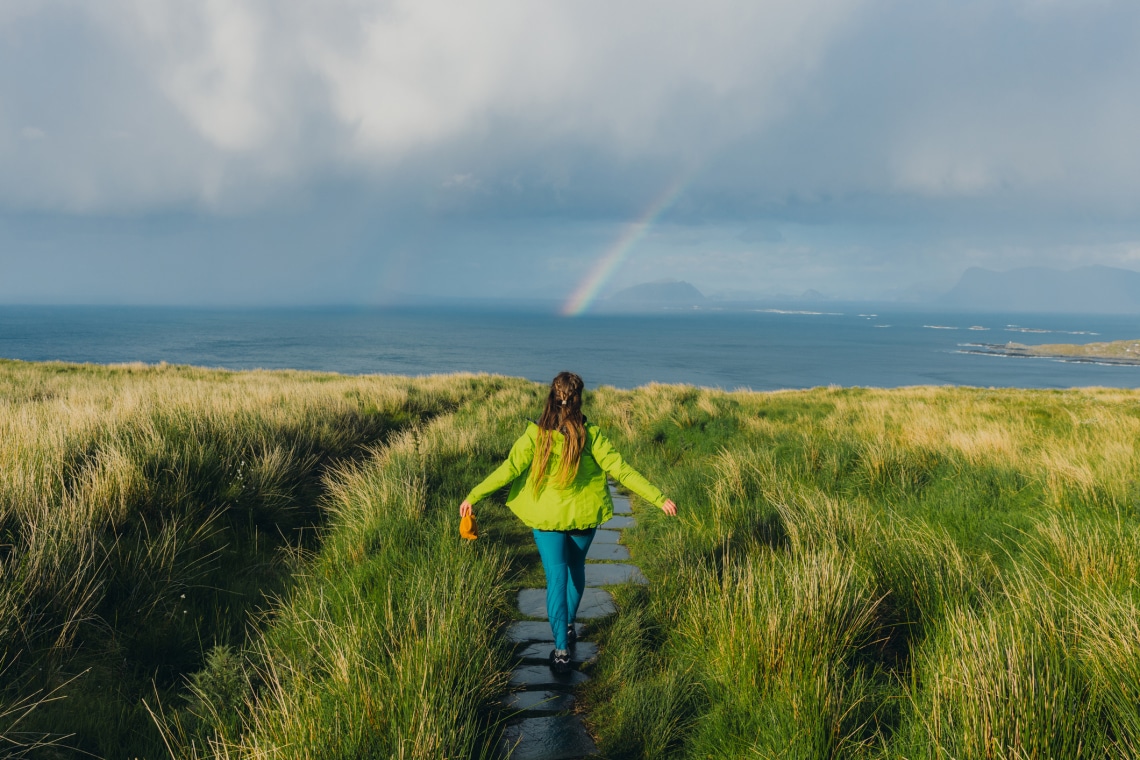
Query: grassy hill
[[1117, 349], [201, 563]]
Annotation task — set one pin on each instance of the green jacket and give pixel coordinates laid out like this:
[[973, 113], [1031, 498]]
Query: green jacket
[[585, 503]]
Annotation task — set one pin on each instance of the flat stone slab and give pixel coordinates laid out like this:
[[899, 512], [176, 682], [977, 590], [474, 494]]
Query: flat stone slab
[[539, 701], [618, 522], [557, 737], [621, 505], [542, 677], [526, 631], [613, 574], [580, 652], [595, 602], [614, 552], [606, 536]]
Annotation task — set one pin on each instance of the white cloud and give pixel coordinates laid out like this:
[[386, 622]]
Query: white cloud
[[228, 104], [208, 59], [271, 90]]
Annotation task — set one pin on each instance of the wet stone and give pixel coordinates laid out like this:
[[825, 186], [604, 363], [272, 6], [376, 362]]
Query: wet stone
[[579, 653], [539, 701], [618, 522], [607, 536], [607, 552], [613, 575], [558, 737], [595, 602], [542, 677], [526, 631]]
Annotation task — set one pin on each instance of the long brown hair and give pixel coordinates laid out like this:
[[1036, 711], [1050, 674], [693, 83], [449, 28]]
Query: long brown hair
[[563, 412]]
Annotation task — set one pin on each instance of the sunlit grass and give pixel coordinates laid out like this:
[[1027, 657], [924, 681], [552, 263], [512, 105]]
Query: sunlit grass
[[922, 572], [149, 516], [212, 564]]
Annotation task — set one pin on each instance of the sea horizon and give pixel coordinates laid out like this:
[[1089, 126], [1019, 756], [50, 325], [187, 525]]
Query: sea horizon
[[765, 347]]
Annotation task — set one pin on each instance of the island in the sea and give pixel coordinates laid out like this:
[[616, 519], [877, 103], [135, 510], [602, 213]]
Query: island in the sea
[[1113, 352]]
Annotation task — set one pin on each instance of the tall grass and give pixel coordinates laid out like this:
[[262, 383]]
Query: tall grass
[[146, 513], [389, 646], [240, 565], [943, 573]]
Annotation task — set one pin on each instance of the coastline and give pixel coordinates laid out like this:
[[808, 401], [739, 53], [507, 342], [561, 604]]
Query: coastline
[[1121, 353]]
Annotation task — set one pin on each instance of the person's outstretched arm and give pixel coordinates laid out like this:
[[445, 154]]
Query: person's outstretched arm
[[617, 468], [516, 463]]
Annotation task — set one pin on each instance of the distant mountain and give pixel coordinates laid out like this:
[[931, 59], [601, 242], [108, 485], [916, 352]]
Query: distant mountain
[[673, 292], [1089, 290]]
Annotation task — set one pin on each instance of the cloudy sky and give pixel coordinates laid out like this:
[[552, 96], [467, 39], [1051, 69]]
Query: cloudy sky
[[359, 151]]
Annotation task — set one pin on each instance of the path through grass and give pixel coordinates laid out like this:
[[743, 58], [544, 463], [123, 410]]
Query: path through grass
[[266, 564]]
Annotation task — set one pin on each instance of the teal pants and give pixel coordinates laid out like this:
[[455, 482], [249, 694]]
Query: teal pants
[[563, 555]]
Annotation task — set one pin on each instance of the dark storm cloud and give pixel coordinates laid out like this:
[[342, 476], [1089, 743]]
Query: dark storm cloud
[[432, 146]]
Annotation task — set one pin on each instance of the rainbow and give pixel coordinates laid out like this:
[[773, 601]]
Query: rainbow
[[591, 285]]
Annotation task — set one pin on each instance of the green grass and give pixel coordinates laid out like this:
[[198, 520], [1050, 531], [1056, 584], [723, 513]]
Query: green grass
[[1117, 349], [213, 564], [918, 573], [171, 537]]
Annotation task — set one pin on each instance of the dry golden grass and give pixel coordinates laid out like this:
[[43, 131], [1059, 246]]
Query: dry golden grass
[[142, 507]]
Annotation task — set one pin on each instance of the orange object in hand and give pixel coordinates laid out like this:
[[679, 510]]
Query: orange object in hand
[[468, 528]]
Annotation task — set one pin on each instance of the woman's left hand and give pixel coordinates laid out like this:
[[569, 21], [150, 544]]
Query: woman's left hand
[[669, 508], [466, 509]]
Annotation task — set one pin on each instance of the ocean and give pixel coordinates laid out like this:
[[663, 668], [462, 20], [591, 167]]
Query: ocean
[[760, 349]]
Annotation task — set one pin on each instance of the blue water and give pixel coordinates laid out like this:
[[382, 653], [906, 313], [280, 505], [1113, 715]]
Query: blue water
[[758, 350]]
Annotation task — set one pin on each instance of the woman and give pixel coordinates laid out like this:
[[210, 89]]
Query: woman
[[557, 470]]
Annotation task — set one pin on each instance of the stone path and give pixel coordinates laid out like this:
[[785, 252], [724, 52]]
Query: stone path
[[545, 728]]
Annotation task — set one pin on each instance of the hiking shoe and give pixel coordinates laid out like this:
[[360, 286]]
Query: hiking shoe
[[571, 635], [560, 660]]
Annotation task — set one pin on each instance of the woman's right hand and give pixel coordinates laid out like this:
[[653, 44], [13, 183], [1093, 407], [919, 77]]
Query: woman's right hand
[[669, 508], [466, 509]]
